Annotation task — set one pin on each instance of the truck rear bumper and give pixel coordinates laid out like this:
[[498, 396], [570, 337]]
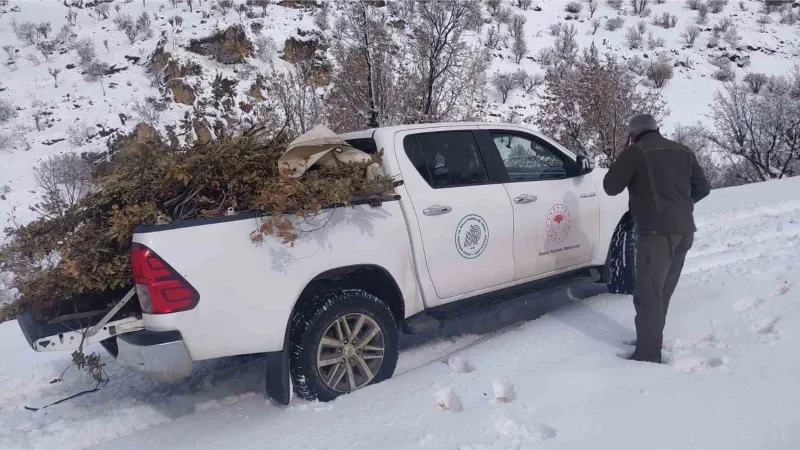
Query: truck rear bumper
[[160, 355]]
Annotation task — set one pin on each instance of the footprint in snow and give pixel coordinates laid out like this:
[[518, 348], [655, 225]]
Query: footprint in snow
[[504, 391], [510, 427], [748, 303], [447, 400], [426, 440], [764, 326], [695, 363], [782, 289], [691, 342], [459, 364]]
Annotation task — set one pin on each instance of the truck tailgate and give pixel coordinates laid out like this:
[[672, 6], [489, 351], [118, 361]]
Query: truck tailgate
[[69, 332]]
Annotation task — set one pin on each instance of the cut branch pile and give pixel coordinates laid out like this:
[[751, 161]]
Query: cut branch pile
[[65, 262]]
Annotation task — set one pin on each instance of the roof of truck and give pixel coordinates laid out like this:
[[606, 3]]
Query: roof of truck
[[363, 134]]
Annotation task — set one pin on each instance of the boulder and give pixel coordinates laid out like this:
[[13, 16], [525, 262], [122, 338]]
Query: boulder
[[228, 47], [181, 92]]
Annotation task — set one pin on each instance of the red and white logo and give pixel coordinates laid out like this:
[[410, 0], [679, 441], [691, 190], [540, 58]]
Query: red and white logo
[[558, 223]]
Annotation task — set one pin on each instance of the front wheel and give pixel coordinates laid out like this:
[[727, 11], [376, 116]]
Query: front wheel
[[621, 265], [344, 339]]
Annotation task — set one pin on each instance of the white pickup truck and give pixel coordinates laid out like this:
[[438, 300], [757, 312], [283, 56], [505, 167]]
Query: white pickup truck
[[482, 212]]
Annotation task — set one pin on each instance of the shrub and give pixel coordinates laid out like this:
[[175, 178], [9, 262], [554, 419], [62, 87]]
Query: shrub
[[25, 31], [724, 72], [713, 42], [666, 20], [635, 35], [717, 6], [85, 50], [639, 7], [724, 24], [702, 13], [694, 5], [732, 36], [555, 29], [764, 20], [616, 4], [615, 23], [7, 111], [691, 33], [574, 8], [660, 72], [788, 17], [655, 42], [503, 15], [79, 134]]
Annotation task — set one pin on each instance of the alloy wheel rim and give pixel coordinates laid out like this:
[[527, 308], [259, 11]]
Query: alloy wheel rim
[[350, 352]]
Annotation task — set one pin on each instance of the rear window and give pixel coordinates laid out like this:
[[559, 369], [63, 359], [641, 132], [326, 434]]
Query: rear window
[[446, 159], [366, 145]]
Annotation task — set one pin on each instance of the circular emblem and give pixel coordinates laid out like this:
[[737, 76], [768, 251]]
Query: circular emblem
[[558, 223], [472, 236]]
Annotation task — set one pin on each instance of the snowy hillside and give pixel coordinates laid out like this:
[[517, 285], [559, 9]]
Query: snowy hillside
[[508, 382], [54, 105]]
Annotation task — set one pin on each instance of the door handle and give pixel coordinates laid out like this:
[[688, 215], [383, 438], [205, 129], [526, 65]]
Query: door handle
[[525, 198], [436, 210]]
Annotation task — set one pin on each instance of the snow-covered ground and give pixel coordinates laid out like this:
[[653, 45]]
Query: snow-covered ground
[[730, 381]]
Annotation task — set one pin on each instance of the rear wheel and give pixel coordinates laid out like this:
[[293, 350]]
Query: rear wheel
[[621, 265], [341, 341]]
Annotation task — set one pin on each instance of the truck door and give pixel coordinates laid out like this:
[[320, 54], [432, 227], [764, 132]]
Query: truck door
[[556, 211], [464, 219]]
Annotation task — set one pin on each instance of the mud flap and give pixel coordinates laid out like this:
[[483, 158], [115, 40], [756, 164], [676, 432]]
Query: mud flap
[[278, 388]]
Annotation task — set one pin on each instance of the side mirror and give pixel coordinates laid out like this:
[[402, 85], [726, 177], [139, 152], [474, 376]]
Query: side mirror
[[585, 164]]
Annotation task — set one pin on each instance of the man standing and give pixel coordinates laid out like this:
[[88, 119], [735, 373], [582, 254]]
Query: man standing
[[664, 181]]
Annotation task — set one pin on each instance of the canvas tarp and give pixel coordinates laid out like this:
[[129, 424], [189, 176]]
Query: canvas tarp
[[324, 147]]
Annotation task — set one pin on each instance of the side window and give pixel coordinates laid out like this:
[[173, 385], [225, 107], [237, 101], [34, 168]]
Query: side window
[[446, 159], [527, 159]]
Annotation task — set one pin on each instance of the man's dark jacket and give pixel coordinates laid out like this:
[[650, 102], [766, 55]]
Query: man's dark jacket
[[664, 181]]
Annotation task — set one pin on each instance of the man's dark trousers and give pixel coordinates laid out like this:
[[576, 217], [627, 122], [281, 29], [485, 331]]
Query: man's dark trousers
[[659, 262]]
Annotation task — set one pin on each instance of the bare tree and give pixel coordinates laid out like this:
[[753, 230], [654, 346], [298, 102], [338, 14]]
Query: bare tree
[[224, 6], [732, 36], [524, 4], [103, 11], [763, 21], [587, 107], [593, 5], [295, 97], [639, 7], [43, 29], [146, 111], [362, 48], [758, 132], [596, 24], [446, 67], [95, 71], [54, 71], [504, 83], [25, 31], [517, 26], [263, 4], [72, 17], [11, 51], [64, 179], [494, 6], [47, 48], [755, 81], [526, 81], [616, 4], [520, 48], [691, 33]]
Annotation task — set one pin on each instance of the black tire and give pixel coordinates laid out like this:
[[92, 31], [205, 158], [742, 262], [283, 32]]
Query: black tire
[[313, 320], [621, 265]]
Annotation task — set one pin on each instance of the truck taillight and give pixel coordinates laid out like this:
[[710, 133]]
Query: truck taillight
[[161, 290]]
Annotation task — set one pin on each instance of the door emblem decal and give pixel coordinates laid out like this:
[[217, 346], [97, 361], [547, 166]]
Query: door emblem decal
[[559, 223], [472, 236]]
